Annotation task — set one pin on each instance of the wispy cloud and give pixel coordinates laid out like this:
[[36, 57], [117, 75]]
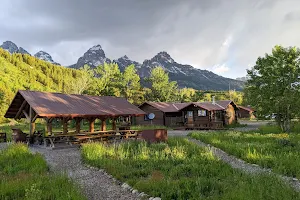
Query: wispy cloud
[[204, 32], [220, 69]]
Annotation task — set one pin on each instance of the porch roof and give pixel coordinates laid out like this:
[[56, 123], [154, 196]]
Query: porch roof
[[46, 104]]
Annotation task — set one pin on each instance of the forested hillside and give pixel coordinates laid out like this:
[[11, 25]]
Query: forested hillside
[[22, 71]]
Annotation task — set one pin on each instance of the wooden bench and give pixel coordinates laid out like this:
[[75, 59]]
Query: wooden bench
[[3, 137], [60, 138], [129, 134]]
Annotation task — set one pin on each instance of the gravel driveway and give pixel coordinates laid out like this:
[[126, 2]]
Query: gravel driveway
[[96, 184]]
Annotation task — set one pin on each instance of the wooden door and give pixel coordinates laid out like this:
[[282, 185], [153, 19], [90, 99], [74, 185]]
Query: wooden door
[[190, 117]]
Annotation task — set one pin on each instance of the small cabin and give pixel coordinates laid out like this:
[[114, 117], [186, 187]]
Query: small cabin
[[194, 114], [165, 114], [246, 112]]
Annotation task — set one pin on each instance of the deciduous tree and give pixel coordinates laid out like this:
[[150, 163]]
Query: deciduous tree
[[162, 89], [273, 86]]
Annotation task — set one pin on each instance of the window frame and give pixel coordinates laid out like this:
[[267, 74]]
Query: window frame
[[202, 113]]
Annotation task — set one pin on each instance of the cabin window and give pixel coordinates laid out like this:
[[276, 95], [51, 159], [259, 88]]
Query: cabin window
[[201, 113], [190, 113], [146, 118]]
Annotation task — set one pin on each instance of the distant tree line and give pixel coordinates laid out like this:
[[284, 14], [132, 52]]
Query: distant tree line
[[22, 71]]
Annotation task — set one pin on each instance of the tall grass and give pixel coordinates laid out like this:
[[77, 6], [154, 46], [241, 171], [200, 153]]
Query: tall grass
[[24, 175], [279, 151], [181, 170]]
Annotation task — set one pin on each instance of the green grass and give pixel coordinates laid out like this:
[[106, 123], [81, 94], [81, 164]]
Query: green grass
[[271, 128], [24, 175], [279, 151], [147, 127], [235, 125], [182, 170]]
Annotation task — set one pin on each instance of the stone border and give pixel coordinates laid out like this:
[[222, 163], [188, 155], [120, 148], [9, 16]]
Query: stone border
[[124, 186], [237, 163]]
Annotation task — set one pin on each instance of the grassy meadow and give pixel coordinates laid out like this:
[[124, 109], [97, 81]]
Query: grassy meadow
[[24, 175], [267, 147], [180, 169]]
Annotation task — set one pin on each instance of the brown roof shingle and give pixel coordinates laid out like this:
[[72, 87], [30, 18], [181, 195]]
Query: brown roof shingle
[[47, 104], [168, 107], [175, 107]]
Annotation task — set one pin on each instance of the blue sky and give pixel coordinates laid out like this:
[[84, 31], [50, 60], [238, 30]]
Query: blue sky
[[223, 36]]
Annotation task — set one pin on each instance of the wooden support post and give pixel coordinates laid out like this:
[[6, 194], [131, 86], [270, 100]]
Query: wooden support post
[[20, 110], [49, 125], [65, 125], [103, 124], [31, 121], [78, 120], [114, 124], [92, 125]]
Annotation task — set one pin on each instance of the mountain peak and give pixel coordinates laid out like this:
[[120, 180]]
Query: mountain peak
[[10, 47], [42, 55], [124, 57], [96, 48], [13, 48], [164, 56], [94, 57]]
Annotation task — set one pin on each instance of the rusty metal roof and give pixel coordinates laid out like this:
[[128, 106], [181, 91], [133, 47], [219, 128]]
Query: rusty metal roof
[[47, 104], [209, 106], [224, 103], [175, 107], [249, 109], [167, 107]]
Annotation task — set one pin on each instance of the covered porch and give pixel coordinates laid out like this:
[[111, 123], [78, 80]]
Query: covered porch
[[33, 105]]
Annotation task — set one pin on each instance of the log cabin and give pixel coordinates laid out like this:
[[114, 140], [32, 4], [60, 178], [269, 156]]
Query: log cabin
[[246, 112], [202, 115]]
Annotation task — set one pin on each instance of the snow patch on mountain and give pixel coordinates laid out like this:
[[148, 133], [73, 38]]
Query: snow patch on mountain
[[185, 75], [42, 55]]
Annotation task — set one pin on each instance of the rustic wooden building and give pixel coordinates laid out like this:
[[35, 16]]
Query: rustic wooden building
[[33, 105], [166, 114], [230, 111], [194, 114], [246, 112]]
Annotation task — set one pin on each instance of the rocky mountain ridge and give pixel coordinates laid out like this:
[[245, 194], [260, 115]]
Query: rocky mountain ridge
[[185, 75], [13, 48]]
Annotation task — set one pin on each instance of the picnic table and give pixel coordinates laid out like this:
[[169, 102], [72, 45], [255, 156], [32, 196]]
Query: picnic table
[[58, 138], [86, 136]]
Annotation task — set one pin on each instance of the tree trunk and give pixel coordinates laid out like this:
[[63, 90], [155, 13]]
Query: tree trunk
[[285, 124]]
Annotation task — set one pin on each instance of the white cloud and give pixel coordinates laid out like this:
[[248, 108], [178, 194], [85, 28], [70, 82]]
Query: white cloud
[[227, 41], [202, 33], [220, 69]]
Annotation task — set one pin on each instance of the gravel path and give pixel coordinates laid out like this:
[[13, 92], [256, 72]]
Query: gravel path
[[96, 184], [237, 163], [3, 145]]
